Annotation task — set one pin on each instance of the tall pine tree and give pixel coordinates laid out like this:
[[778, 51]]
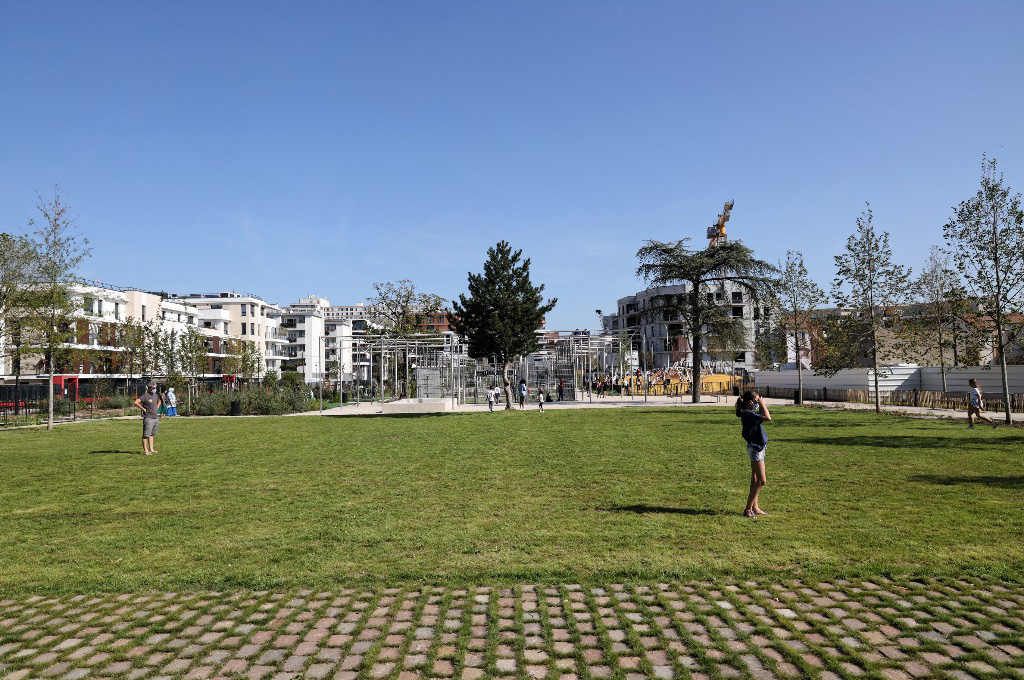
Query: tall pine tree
[[503, 311]]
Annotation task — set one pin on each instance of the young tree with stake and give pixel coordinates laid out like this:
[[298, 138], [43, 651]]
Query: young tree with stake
[[798, 296], [871, 283], [52, 309], [986, 239]]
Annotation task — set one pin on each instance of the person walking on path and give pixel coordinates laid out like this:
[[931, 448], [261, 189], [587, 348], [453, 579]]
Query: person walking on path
[[490, 398], [561, 389], [752, 412], [149, 403], [540, 399], [976, 406], [522, 394], [172, 403]]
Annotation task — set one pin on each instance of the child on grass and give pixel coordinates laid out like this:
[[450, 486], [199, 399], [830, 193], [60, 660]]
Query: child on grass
[[752, 411], [540, 399], [976, 406]]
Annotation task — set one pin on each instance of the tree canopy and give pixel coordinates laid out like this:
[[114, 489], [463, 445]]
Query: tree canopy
[[730, 264], [503, 310]]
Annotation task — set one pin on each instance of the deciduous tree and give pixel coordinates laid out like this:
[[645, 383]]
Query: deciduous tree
[[400, 309], [798, 296], [870, 283], [17, 264], [51, 309], [986, 239], [928, 331]]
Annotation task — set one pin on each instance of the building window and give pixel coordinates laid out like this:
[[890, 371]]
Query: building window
[[245, 310], [143, 312], [87, 305], [718, 296], [737, 297], [741, 357], [99, 307], [757, 313], [117, 310], [252, 310], [252, 329], [243, 329], [191, 319], [737, 312]]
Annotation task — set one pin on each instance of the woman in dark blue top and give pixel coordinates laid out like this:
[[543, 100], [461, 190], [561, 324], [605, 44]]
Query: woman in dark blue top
[[752, 412]]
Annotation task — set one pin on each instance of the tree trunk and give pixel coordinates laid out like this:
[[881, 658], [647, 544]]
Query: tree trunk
[[697, 352], [1002, 370], [507, 384], [49, 416], [874, 367], [799, 369], [942, 357]]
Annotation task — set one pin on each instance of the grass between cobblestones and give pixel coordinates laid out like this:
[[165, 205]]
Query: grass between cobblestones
[[877, 629], [584, 496]]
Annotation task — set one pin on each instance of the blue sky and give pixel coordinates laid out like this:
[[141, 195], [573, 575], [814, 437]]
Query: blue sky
[[292, 148]]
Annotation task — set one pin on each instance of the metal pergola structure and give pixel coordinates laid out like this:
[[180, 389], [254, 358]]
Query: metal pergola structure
[[565, 366]]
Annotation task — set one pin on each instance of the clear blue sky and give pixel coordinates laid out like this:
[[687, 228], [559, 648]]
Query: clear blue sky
[[292, 148]]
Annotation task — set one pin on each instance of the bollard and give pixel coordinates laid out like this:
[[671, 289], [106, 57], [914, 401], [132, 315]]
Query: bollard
[[236, 407], [796, 397]]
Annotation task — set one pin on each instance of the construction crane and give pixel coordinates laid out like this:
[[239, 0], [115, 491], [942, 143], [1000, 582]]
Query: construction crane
[[716, 232]]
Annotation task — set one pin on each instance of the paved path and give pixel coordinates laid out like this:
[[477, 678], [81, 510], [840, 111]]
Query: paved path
[[878, 628], [368, 408]]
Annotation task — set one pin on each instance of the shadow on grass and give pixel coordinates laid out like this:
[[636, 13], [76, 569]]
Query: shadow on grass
[[399, 415], [643, 509], [896, 441], [1008, 482], [113, 451]]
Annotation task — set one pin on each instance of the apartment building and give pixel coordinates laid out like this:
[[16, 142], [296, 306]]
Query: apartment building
[[338, 345], [662, 333], [224, 317], [304, 328]]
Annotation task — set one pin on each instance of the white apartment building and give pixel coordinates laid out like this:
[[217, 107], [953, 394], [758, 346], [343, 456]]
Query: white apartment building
[[338, 344], [304, 328], [662, 333], [239, 316]]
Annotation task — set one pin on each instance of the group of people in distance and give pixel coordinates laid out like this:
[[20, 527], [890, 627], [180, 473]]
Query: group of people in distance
[[522, 395]]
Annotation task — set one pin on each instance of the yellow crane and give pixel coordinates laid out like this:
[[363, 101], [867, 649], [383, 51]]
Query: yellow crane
[[716, 232]]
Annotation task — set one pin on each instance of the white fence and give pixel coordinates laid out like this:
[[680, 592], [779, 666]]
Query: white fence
[[902, 377]]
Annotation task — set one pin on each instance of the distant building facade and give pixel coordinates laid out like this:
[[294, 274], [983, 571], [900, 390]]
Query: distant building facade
[[662, 334]]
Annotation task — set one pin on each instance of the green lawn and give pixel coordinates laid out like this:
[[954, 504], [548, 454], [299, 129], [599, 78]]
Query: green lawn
[[505, 497]]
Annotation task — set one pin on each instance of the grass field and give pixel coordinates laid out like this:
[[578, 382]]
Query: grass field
[[501, 498]]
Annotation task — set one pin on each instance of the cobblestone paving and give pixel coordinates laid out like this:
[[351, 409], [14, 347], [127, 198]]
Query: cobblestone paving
[[838, 629]]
